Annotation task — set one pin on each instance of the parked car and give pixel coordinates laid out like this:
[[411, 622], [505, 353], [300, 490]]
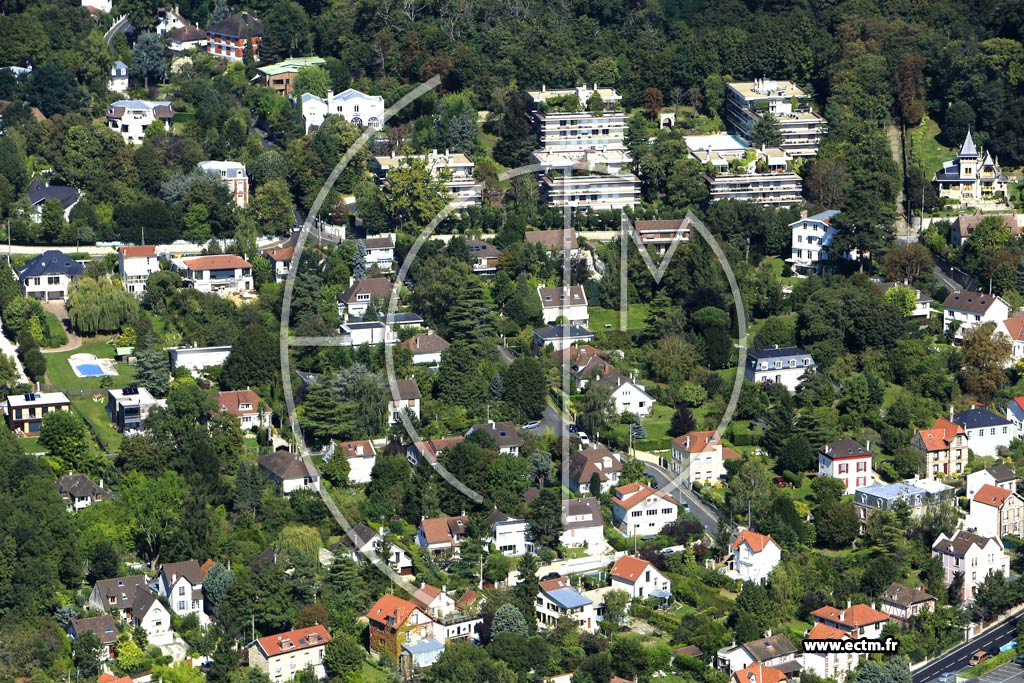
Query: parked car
[[947, 677], [573, 428], [1019, 659], [977, 658], [532, 424], [584, 439]]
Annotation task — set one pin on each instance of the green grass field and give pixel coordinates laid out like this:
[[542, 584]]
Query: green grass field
[[600, 317], [54, 328], [925, 147], [95, 413], [60, 374], [30, 444]]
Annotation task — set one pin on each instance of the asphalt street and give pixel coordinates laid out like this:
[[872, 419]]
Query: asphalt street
[[698, 508], [957, 658]]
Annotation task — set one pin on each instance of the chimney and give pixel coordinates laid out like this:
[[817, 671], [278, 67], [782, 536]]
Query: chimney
[[543, 88], [417, 342], [359, 449], [803, 214], [950, 413], [867, 445], [330, 95], [849, 603]]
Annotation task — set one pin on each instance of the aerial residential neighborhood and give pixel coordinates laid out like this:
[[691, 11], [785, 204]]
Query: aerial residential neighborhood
[[511, 342]]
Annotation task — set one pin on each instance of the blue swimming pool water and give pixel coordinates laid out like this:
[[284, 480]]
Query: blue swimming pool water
[[89, 370]]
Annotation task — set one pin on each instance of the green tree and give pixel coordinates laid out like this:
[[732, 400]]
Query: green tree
[[85, 652], [836, 523], [796, 455], [253, 359], [312, 79], [99, 306], [52, 221], [344, 657], [417, 195], [359, 261], [683, 421], [986, 353], [616, 603], [66, 440], [273, 206], [766, 131], [525, 388], [596, 409], [508, 619], [152, 371], [155, 506], [148, 61]]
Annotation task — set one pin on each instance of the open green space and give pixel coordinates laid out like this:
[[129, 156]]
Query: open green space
[[925, 147], [94, 412], [30, 444], [60, 374], [601, 317]]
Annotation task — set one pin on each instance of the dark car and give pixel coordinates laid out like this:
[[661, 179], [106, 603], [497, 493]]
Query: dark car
[[1019, 659]]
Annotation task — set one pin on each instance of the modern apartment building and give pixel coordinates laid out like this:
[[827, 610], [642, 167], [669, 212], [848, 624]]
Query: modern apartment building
[[801, 128]]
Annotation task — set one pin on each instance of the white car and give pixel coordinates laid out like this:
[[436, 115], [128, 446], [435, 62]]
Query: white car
[[584, 439], [532, 424]]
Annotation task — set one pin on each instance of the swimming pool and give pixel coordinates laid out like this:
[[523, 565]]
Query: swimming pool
[[89, 370]]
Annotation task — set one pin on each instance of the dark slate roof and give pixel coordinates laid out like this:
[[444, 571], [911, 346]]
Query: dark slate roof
[[979, 417], [238, 25], [361, 534], [576, 507], [556, 332], [39, 193], [52, 262], [769, 647], [776, 352], [904, 596], [122, 589], [968, 149], [285, 465], [79, 486], [103, 627], [1002, 473]]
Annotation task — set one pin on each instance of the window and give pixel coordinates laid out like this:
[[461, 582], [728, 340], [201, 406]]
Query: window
[[181, 605], [53, 280], [181, 590]]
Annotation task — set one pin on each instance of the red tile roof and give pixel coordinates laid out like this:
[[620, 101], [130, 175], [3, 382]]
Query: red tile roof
[[756, 541], [826, 632], [851, 617], [642, 492], [629, 568], [758, 673], [218, 262], [229, 402], [293, 641], [356, 449], [282, 254], [391, 606], [1015, 327], [137, 252], [992, 495], [425, 595], [699, 442], [940, 435]]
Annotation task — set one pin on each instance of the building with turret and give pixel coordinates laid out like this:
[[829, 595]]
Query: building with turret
[[973, 178]]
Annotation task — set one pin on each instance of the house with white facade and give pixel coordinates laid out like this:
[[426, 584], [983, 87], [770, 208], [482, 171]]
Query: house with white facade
[[560, 337], [130, 118], [510, 536], [168, 19], [280, 262], [245, 405], [754, 556], [639, 578], [283, 655], [196, 358], [662, 234], [231, 174], [39, 193], [404, 395], [152, 617], [964, 310], [922, 302], [360, 294], [441, 534], [771, 650], [361, 540], [832, 665], [426, 348], [639, 510], [557, 598], [986, 431], [1013, 328], [700, 457], [588, 462], [972, 556], [995, 512], [79, 491], [810, 238], [361, 457], [484, 255], [627, 394], [904, 602], [860, 620], [739, 172], [582, 524], [454, 167], [943, 449], [47, 276], [569, 303], [289, 471], [186, 38], [555, 242], [503, 433], [800, 126], [135, 265], [118, 77], [221, 274], [847, 461], [353, 106], [380, 251], [1001, 475], [182, 584], [974, 178], [785, 366]]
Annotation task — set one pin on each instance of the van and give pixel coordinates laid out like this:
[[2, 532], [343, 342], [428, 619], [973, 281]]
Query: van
[[977, 658]]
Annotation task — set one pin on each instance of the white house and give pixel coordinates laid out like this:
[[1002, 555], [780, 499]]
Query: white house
[[639, 578], [152, 617], [510, 536], [810, 238], [197, 358], [40, 193], [774, 650], [245, 405], [904, 602], [436, 602], [426, 348], [186, 38], [986, 432], [561, 337], [361, 293], [999, 475], [557, 599], [754, 556], [79, 491], [135, 265], [168, 19], [353, 106], [700, 457], [372, 332], [118, 77], [48, 275], [800, 126], [441, 534], [503, 433], [847, 461], [280, 261], [1013, 328], [361, 540], [283, 655], [232, 174], [964, 309], [222, 273], [833, 665], [130, 118], [973, 556], [628, 395], [639, 510], [380, 251], [405, 395], [740, 172], [995, 512], [860, 620], [361, 456], [289, 471], [182, 584], [594, 460], [455, 166], [785, 366], [564, 302], [104, 6], [582, 524]]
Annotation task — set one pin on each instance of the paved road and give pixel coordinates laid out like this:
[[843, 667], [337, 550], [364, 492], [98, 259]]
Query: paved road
[[707, 516], [957, 658], [946, 281]]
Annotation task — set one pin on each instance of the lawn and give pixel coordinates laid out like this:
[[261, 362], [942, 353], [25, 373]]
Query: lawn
[[926, 148], [95, 413], [54, 328], [657, 430], [30, 444], [372, 674], [60, 374], [608, 319], [487, 141]]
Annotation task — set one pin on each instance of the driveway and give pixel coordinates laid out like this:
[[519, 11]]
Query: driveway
[[58, 309]]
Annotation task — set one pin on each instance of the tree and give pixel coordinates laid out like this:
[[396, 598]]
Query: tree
[[907, 262], [253, 360], [796, 455], [836, 523], [221, 11], [683, 421], [66, 440], [152, 371], [148, 61], [766, 131], [359, 261], [904, 298], [85, 652], [616, 603], [52, 221], [312, 79], [155, 506], [417, 196], [274, 207], [508, 619], [653, 101], [216, 584], [298, 545], [99, 306], [986, 353], [596, 409], [344, 657], [960, 118], [525, 388]]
